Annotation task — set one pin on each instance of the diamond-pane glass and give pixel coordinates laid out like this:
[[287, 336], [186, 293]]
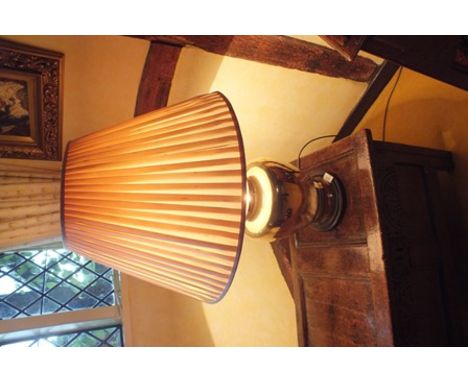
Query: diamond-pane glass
[[84, 339], [22, 298], [26, 271], [63, 340], [63, 293], [50, 306], [29, 254], [97, 268], [81, 301], [37, 283], [48, 281], [64, 269], [6, 311], [111, 336], [110, 300], [83, 278], [78, 259], [8, 285], [34, 309], [100, 288], [10, 261], [51, 281]]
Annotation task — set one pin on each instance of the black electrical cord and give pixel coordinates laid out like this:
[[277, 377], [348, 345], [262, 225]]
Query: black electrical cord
[[384, 127], [307, 144]]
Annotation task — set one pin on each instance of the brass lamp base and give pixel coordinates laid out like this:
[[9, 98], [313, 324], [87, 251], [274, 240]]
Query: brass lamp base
[[280, 202], [328, 192]]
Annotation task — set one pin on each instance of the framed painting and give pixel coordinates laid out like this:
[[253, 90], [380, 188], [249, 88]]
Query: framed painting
[[30, 102]]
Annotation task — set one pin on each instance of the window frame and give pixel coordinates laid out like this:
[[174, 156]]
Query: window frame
[[30, 328], [58, 323]]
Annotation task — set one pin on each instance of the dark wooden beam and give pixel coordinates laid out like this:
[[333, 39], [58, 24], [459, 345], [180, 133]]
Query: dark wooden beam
[[281, 51], [444, 58], [381, 79], [156, 79], [347, 46]]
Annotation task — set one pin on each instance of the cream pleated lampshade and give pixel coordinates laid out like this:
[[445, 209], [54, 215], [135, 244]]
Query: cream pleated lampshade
[[161, 197]]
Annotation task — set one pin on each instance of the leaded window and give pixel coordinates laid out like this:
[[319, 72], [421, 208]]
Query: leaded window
[[51, 281], [102, 337]]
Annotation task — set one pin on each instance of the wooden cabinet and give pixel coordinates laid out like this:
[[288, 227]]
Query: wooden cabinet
[[384, 275]]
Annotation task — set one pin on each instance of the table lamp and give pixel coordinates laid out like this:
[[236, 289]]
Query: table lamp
[[166, 197]]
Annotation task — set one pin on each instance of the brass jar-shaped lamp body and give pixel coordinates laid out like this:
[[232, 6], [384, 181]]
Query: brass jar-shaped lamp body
[[280, 201], [273, 197]]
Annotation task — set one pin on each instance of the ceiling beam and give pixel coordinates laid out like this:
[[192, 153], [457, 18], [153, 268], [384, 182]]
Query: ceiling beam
[[156, 80], [283, 51], [444, 58]]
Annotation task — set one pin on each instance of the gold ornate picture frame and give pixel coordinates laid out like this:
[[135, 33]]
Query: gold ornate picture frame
[[30, 102]]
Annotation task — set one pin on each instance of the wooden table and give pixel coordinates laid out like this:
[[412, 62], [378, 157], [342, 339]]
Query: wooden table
[[384, 275]]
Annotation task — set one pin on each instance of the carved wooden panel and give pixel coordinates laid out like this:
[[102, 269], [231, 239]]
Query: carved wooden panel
[[339, 311], [350, 260], [415, 283]]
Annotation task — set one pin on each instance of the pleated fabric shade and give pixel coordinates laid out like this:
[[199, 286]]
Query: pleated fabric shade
[[161, 197]]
